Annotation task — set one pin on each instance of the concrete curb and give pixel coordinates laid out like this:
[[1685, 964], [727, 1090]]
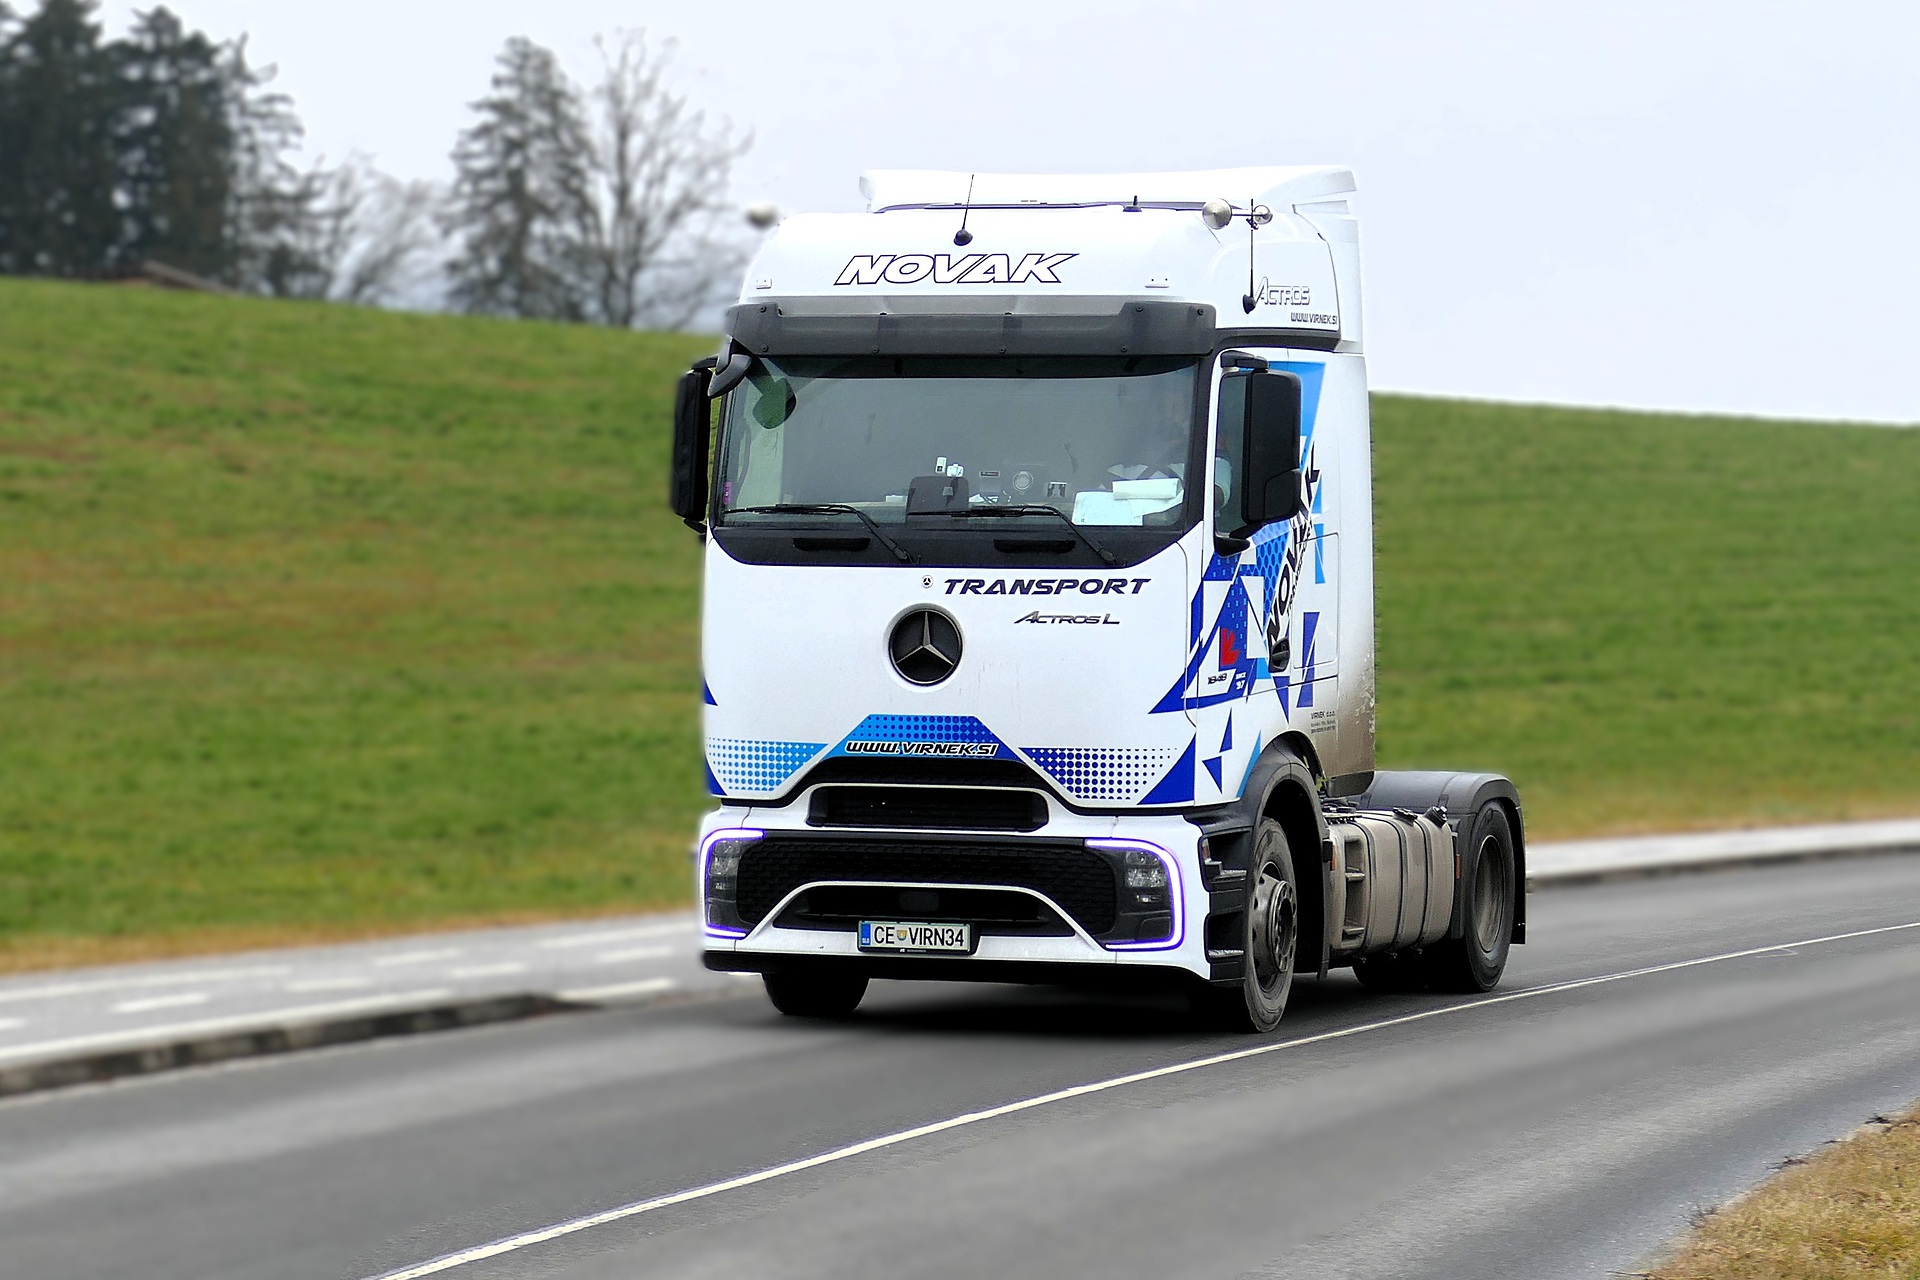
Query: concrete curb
[[290, 1037], [1576, 862]]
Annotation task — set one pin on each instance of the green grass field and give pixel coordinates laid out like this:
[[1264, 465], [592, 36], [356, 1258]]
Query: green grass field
[[317, 621]]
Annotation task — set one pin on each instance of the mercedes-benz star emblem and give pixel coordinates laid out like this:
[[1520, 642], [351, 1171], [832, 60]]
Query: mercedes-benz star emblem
[[925, 646]]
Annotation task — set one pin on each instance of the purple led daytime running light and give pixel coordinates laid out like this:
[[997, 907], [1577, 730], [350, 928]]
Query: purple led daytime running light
[[1174, 883], [706, 860]]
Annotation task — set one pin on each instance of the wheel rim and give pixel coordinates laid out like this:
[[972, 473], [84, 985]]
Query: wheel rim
[[1492, 891], [1275, 917]]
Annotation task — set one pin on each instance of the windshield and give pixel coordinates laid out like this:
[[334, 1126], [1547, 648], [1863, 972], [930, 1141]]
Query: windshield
[[1102, 440]]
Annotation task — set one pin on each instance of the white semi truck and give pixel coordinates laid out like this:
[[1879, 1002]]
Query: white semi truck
[[1038, 624]]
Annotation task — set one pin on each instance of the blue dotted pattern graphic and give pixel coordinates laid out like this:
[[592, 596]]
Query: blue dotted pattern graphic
[[749, 766], [922, 729], [1103, 773]]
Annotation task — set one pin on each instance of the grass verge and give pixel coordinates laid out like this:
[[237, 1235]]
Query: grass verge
[[1850, 1211], [318, 622]]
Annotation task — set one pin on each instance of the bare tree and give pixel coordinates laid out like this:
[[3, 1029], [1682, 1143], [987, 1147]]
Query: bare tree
[[607, 205], [374, 235], [656, 232]]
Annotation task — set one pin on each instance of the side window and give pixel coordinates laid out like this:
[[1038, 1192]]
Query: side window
[[1227, 442]]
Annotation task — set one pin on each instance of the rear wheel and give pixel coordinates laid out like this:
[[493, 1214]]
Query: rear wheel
[[1270, 935], [1475, 960], [800, 993]]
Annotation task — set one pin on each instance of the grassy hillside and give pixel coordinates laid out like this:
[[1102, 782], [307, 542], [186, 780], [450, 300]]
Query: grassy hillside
[[315, 620], [1650, 621]]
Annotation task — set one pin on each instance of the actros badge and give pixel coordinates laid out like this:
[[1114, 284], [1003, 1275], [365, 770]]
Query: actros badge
[[925, 646]]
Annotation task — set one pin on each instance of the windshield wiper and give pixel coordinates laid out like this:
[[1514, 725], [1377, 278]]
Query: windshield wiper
[[823, 508], [1036, 509]]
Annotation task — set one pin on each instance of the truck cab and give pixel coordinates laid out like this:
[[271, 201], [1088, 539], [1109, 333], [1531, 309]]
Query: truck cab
[[1038, 613]]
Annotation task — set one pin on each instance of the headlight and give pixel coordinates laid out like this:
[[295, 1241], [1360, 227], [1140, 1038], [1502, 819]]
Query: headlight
[[1150, 916], [720, 879]]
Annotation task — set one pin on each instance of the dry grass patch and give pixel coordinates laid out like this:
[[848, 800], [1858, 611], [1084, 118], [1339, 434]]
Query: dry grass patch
[[1850, 1211]]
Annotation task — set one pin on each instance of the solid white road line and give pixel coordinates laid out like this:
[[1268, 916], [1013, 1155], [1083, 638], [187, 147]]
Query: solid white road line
[[618, 991], [513, 1244], [632, 953], [142, 981], [8, 1024], [617, 935], [417, 957], [489, 970], [148, 1004], [207, 1026]]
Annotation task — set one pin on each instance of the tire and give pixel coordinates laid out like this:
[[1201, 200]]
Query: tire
[[1269, 934], [1474, 961], [801, 993]]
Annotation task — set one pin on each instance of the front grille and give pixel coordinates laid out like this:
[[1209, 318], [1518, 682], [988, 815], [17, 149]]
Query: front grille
[[963, 808], [1067, 872]]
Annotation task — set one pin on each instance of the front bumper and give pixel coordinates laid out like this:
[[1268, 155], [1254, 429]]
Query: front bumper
[[1043, 927]]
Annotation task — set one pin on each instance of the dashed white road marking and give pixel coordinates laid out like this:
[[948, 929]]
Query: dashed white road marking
[[148, 1004], [417, 957], [527, 1239], [343, 983], [632, 953], [230, 1022], [628, 934], [140, 982], [489, 970], [618, 991]]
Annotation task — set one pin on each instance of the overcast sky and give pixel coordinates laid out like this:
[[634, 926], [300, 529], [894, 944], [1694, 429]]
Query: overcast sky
[[1693, 206]]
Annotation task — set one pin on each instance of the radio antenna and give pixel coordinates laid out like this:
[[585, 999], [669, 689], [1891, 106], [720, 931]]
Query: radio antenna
[[1258, 215], [964, 237]]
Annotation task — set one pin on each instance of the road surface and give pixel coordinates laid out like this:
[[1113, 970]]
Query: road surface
[[1563, 1128]]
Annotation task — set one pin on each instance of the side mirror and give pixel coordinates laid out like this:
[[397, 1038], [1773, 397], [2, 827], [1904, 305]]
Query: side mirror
[[692, 431], [1271, 449]]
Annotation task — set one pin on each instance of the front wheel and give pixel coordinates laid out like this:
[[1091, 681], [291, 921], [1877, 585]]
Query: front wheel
[[802, 994], [1269, 934]]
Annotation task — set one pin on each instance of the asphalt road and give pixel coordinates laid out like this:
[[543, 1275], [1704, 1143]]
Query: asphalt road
[[1566, 1132]]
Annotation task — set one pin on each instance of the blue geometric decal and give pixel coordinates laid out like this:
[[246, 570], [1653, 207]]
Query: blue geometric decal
[[752, 765], [1221, 569], [943, 736], [1213, 767], [1177, 786], [1226, 739], [706, 691], [1222, 669], [1101, 773], [1252, 760], [1222, 665]]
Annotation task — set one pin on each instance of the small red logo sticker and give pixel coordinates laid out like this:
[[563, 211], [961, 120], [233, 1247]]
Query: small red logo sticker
[[1230, 652]]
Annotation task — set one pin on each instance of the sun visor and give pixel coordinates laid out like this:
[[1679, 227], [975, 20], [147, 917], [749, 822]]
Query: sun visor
[[1007, 325]]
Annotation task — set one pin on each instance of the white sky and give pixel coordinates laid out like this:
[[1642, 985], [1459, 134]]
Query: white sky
[[1693, 206]]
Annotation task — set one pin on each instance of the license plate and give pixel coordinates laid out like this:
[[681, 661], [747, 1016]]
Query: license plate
[[901, 935]]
